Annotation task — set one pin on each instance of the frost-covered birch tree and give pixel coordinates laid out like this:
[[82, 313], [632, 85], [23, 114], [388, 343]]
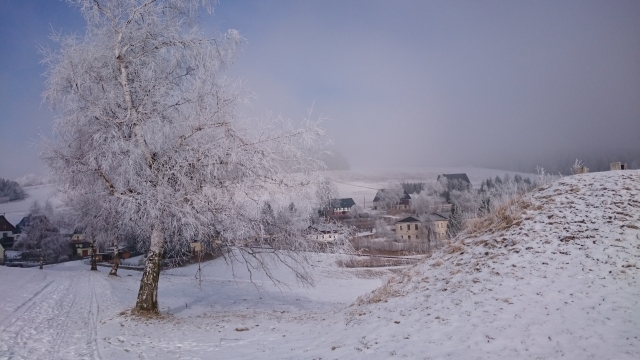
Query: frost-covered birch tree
[[148, 125]]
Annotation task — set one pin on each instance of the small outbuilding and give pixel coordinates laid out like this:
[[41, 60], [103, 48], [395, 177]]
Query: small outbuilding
[[618, 166]]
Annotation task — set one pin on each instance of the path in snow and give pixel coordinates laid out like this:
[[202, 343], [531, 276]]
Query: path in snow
[[68, 312], [52, 314]]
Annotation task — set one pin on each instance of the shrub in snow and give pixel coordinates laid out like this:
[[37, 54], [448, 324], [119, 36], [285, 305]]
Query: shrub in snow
[[10, 191], [31, 180]]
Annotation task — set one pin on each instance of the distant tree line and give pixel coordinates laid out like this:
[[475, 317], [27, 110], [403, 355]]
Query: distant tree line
[[10, 191], [413, 188], [335, 161]]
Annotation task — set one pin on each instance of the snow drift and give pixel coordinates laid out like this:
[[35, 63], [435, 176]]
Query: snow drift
[[554, 274]]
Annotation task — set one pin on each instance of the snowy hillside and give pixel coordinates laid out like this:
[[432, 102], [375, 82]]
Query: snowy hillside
[[554, 275], [14, 211], [562, 281]]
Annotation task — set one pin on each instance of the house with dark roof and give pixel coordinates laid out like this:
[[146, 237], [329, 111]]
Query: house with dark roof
[[379, 202], [7, 232], [410, 229], [81, 245], [341, 206], [459, 177]]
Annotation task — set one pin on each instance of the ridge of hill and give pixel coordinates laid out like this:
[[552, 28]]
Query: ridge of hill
[[552, 274]]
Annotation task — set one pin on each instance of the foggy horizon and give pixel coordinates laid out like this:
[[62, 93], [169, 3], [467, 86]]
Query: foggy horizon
[[495, 84]]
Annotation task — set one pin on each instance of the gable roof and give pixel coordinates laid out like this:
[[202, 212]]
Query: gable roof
[[323, 228], [461, 176], [40, 220], [342, 203], [5, 225], [406, 196], [409, 219], [438, 217]]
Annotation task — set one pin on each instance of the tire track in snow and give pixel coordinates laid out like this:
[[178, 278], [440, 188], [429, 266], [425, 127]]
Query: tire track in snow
[[60, 320], [94, 314], [31, 300], [15, 341], [62, 328]]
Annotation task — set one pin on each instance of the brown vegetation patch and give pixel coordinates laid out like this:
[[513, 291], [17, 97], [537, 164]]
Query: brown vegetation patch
[[368, 262], [385, 292], [503, 217]]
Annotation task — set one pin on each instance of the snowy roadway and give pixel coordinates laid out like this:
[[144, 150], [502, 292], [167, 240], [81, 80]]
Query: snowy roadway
[[68, 312], [52, 314]]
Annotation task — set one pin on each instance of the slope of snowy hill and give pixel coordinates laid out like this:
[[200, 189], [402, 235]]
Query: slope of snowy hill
[[552, 275], [14, 211], [559, 280]]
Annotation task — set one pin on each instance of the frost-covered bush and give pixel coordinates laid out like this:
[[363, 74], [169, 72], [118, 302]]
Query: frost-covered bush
[[31, 180], [10, 191], [41, 235]]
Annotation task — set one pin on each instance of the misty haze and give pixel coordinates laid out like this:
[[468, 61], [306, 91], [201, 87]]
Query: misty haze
[[319, 179]]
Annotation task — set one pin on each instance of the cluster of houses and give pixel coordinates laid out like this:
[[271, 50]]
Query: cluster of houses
[[406, 228], [79, 246]]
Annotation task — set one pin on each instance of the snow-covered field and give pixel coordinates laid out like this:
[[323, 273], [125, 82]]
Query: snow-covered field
[[562, 282], [14, 211], [69, 312]]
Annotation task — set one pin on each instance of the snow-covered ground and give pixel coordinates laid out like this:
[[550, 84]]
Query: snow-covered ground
[[69, 312], [562, 282], [14, 211]]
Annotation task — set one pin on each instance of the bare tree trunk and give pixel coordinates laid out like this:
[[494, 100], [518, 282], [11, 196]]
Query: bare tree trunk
[[148, 293], [41, 261], [116, 260], [94, 260]]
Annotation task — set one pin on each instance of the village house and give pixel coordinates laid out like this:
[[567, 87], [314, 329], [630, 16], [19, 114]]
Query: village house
[[380, 204], [410, 228], [440, 223], [81, 247], [323, 232], [340, 207], [7, 232], [107, 255]]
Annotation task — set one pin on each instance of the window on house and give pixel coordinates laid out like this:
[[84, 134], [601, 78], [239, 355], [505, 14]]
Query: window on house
[[400, 227], [416, 226], [417, 237], [409, 237]]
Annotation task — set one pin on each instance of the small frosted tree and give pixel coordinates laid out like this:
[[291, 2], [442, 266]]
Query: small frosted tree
[[41, 235], [148, 126], [390, 197]]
